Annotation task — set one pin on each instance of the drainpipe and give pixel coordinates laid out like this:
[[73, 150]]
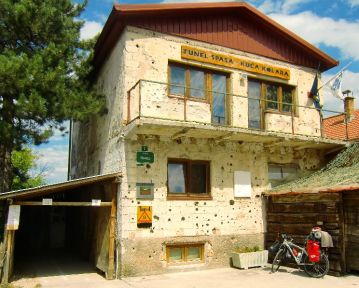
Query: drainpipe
[[70, 152]]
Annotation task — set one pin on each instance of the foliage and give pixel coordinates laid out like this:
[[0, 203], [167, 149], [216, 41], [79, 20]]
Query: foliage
[[44, 68], [342, 170], [23, 161], [246, 249], [9, 285]]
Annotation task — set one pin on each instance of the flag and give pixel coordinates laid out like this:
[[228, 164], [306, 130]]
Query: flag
[[314, 93], [336, 85], [314, 90]]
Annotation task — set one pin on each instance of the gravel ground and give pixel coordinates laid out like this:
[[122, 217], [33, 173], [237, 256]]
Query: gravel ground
[[213, 278]]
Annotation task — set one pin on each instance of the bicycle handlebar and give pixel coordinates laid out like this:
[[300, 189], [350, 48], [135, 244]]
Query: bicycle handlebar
[[286, 237]]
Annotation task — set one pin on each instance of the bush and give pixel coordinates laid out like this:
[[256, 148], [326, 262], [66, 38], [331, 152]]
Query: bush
[[246, 249]]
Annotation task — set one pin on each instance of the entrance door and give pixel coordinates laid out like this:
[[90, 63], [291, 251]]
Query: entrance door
[[219, 90], [351, 220], [254, 105]]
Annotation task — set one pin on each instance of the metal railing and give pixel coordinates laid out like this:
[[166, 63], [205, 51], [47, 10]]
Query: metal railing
[[149, 95]]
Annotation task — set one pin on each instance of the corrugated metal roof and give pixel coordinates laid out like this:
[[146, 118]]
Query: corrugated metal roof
[[339, 175], [335, 127], [60, 187]]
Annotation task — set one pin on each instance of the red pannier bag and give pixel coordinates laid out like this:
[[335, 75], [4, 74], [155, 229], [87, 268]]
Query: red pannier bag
[[313, 250]]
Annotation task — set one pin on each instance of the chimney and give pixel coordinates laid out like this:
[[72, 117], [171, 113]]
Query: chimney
[[349, 108]]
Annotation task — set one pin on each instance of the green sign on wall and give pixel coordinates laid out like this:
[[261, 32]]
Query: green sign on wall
[[143, 157]]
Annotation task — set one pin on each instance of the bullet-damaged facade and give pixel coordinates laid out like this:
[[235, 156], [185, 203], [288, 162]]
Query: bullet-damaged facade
[[205, 112]]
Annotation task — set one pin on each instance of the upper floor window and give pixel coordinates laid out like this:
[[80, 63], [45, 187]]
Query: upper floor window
[[203, 85], [188, 178], [188, 81], [278, 97]]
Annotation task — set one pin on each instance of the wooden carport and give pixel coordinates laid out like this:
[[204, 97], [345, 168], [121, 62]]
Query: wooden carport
[[328, 198], [95, 191]]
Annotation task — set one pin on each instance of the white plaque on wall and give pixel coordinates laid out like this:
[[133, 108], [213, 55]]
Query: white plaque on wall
[[13, 218], [242, 184]]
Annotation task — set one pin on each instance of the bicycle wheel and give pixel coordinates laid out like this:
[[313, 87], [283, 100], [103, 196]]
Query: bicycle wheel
[[317, 269], [278, 259]]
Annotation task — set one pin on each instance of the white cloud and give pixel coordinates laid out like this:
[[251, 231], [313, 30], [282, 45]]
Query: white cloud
[[269, 6], [90, 29], [353, 3], [54, 159], [350, 80], [281, 6], [341, 34]]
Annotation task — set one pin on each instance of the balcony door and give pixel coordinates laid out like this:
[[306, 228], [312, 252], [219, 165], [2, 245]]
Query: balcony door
[[254, 105], [219, 99]]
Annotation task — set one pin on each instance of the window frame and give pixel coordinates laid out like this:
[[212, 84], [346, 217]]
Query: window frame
[[208, 72], [184, 248], [187, 85], [188, 195], [281, 166], [280, 87]]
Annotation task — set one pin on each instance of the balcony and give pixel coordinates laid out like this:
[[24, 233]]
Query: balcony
[[151, 110]]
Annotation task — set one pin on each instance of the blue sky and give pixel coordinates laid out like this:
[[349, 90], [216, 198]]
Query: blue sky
[[332, 26]]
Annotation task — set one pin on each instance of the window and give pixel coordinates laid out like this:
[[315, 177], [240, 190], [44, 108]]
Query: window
[[187, 178], [188, 82], [278, 97], [185, 253], [280, 174], [202, 85]]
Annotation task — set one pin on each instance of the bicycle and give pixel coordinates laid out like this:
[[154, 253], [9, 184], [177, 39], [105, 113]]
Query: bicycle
[[288, 249]]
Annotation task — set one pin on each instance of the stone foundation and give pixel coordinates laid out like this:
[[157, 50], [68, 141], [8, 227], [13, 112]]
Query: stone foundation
[[148, 256]]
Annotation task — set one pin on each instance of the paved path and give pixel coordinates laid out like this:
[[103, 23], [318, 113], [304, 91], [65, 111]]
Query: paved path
[[214, 278]]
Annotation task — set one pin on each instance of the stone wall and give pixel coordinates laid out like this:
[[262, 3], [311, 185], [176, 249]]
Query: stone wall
[[147, 256], [141, 54], [222, 223], [147, 57]]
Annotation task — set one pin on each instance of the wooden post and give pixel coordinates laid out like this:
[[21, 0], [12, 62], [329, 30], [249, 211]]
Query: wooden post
[[342, 235], [6, 268], [111, 246]]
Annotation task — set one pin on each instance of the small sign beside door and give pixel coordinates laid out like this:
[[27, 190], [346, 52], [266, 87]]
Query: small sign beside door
[[13, 218], [47, 201], [144, 190], [144, 216], [145, 156], [96, 202]]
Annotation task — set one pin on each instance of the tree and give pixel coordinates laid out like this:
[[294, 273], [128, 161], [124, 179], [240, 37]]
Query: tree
[[23, 162], [44, 68]]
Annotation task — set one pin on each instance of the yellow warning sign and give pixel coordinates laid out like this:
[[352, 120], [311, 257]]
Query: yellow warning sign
[[144, 216]]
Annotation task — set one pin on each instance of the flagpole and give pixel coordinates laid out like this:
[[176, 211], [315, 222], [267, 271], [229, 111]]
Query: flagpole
[[326, 83]]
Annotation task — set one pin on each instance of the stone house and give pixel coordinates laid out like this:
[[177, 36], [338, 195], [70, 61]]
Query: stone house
[[207, 107]]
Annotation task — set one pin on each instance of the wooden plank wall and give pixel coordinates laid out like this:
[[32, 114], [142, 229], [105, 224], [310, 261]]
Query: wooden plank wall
[[296, 215], [351, 216]]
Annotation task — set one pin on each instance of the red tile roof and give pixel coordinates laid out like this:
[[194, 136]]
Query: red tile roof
[[335, 127]]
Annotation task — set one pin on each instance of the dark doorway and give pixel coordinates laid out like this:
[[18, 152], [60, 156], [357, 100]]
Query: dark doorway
[[51, 241]]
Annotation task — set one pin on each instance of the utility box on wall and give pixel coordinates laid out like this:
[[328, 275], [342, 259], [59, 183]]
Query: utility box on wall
[[144, 191]]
